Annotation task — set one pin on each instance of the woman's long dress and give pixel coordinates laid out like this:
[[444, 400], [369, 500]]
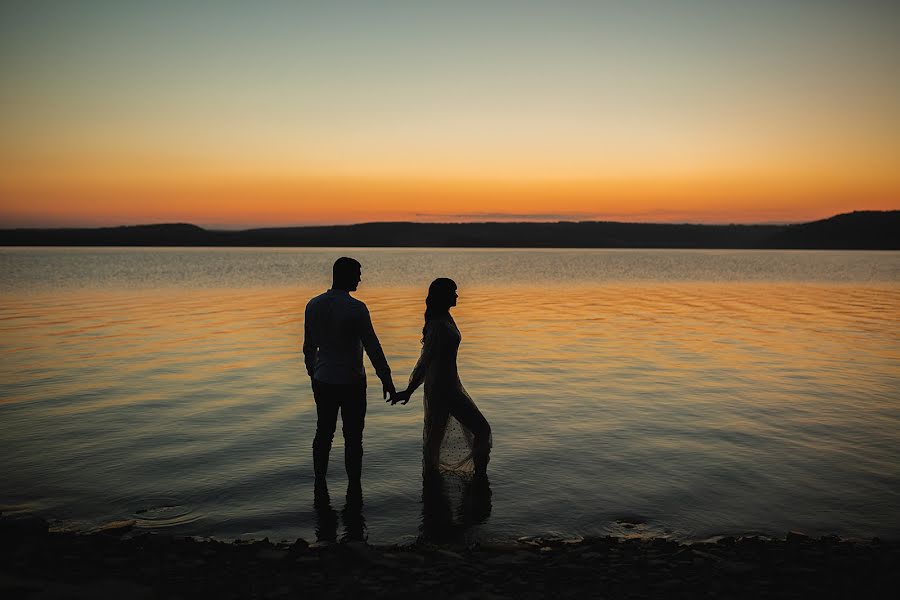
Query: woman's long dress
[[456, 435]]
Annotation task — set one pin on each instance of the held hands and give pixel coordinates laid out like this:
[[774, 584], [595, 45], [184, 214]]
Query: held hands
[[388, 389], [401, 397]]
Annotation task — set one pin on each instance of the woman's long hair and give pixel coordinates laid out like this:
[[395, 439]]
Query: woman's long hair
[[439, 300]]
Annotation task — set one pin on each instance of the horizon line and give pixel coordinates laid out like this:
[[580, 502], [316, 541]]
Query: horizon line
[[244, 227], [222, 227]]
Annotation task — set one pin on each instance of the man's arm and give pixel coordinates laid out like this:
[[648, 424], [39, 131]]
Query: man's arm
[[376, 354], [310, 344]]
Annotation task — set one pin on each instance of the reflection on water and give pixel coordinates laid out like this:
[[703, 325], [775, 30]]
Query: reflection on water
[[452, 506], [705, 405], [351, 515]]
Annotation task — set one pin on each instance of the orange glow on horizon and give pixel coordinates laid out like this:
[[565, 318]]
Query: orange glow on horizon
[[244, 201]]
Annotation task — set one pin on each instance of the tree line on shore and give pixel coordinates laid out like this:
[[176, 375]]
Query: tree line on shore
[[872, 230]]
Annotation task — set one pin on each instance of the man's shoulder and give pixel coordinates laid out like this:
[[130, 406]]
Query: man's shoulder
[[345, 300], [355, 303], [316, 299]]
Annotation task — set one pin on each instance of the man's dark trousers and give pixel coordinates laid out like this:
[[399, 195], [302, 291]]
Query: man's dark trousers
[[350, 399]]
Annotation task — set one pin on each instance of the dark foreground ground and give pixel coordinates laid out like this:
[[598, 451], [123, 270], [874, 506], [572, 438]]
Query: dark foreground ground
[[119, 563]]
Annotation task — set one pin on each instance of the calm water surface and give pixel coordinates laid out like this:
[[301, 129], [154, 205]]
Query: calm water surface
[[682, 393]]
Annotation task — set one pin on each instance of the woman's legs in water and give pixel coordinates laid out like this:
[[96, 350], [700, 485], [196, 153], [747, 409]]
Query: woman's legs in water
[[432, 436], [465, 411]]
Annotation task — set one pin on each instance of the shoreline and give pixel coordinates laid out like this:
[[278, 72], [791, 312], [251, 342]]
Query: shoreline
[[121, 562]]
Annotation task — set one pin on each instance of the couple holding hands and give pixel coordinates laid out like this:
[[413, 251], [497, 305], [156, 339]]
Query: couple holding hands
[[337, 328]]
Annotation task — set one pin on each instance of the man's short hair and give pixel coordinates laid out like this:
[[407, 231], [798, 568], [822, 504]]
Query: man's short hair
[[345, 267]]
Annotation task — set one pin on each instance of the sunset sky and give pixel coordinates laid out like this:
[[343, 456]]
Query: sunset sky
[[239, 114]]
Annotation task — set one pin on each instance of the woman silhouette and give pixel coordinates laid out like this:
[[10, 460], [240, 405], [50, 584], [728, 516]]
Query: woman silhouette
[[456, 436]]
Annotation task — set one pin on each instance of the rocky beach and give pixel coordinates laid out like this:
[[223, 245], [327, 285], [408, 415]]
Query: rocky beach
[[122, 562]]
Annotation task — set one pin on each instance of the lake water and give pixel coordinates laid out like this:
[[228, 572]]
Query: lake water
[[631, 392]]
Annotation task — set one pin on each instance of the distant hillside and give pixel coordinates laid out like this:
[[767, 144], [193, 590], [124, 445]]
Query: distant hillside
[[858, 230], [178, 234], [873, 230]]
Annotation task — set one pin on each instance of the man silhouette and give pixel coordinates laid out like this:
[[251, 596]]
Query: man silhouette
[[336, 331]]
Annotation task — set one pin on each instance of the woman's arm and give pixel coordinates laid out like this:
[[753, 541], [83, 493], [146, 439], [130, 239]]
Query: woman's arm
[[429, 348]]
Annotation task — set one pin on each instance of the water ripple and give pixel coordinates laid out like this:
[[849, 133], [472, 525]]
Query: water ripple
[[704, 401]]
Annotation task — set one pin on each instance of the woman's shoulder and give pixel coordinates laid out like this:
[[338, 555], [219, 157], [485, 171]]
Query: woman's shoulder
[[438, 325]]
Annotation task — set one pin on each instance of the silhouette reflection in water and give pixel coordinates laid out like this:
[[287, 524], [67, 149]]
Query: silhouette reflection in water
[[440, 522], [351, 515]]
